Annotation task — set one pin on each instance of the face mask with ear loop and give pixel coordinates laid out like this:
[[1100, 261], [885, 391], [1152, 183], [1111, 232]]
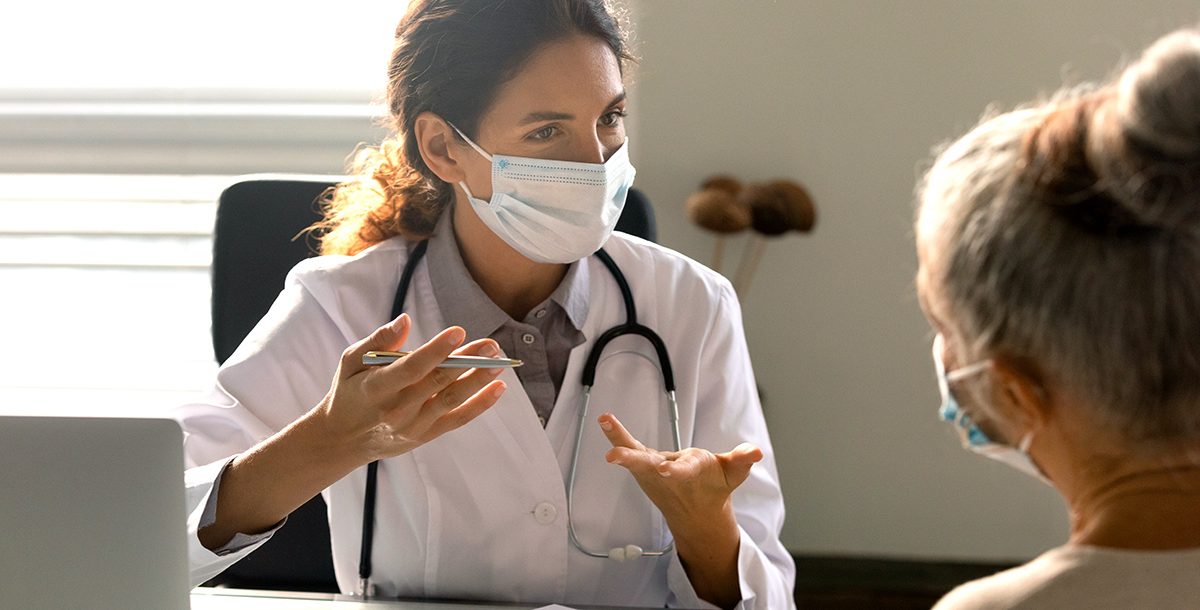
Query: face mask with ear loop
[[553, 211], [973, 438]]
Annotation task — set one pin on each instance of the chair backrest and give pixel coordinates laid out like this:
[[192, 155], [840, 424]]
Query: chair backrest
[[256, 241], [637, 217], [255, 244]]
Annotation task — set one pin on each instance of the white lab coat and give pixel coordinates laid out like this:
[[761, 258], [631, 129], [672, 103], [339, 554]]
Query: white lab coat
[[482, 511]]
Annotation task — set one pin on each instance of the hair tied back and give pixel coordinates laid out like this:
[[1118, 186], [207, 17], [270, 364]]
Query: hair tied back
[[1145, 141]]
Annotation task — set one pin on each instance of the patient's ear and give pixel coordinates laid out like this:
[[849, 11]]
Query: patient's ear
[[1021, 387], [436, 139]]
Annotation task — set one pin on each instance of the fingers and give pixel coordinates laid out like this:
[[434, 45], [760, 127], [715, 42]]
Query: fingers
[[470, 409], [444, 390], [386, 337], [686, 465], [422, 361], [627, 451], [637, 460], [479, 347], [439, 381], [690, 462], [453, 395], [617, 434]]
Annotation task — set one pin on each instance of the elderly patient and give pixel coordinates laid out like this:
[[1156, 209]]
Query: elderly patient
[[1059, 250]]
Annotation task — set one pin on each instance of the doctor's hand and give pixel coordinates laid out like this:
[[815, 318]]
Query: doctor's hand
[[692, 488], [384, 411], [692, 483]]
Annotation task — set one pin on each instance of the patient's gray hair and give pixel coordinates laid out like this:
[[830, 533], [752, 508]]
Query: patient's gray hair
[[1069, 239]]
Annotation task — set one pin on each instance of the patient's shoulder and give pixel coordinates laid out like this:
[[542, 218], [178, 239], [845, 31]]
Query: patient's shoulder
[[1086, 577], [1013, 588]]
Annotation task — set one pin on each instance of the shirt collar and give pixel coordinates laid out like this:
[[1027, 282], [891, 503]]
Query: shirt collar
[[463, 303], [572, 293]]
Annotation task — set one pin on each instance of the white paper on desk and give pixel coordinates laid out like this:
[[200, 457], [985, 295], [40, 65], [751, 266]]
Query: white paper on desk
[[555, 607]]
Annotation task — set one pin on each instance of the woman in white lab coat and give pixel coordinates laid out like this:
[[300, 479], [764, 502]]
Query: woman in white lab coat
[[511, 160]]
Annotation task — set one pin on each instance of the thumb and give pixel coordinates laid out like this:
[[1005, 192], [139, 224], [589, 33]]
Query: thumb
[[737, 463]]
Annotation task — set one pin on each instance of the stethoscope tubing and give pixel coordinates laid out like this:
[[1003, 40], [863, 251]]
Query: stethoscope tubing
[[612, 553], [368, 522]]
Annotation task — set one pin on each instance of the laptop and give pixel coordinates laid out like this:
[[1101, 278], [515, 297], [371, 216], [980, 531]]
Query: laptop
[[92, 513]]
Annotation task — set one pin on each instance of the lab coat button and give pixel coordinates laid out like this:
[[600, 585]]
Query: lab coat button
[[545, 513], [528, 339]]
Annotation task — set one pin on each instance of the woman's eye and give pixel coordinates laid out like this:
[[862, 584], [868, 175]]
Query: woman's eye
[[544, 133], [613, 118]]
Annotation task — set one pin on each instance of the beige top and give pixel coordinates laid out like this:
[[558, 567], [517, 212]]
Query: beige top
[[1087, 577]]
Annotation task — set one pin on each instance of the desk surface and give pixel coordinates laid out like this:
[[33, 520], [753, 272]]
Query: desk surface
[[207, 598]]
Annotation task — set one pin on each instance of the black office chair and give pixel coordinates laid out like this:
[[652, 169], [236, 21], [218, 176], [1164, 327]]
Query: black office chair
[[255, 244]]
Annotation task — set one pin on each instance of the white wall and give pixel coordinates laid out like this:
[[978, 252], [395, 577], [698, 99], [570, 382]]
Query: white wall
[[849, 97]]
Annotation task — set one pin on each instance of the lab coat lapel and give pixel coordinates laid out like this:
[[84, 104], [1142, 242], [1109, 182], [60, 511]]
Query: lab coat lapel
[[603, 304], [516, 428], [512, 420], [606, 309], [492, 474]]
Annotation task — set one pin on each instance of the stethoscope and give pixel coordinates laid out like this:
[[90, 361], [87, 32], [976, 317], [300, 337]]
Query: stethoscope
[[630, 327]]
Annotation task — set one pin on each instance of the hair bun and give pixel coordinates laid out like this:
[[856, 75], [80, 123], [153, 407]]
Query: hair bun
[[1145, 142], [1158, 99]]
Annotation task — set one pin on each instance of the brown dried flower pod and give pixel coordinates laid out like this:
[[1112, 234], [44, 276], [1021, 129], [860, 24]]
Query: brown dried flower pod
[[717, 210], [798, 204], [721, 182], [776, 207], [779, 206], [768, 214]]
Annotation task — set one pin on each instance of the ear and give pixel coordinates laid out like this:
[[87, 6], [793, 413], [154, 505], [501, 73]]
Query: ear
[[1022, 390], [436, 141]]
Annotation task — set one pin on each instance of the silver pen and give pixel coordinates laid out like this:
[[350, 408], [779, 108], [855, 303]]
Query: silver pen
[[451, 362]]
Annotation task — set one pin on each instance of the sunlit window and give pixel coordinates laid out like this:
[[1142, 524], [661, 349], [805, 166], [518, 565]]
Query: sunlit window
[[218, 44], [120, 122]]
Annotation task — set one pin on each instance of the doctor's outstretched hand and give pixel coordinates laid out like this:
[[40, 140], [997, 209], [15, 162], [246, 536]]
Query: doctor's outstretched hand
[[389, 410], [692, 488], [370, 413]]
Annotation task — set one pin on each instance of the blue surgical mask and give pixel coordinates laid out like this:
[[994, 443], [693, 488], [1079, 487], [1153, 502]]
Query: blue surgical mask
[[973, 438]]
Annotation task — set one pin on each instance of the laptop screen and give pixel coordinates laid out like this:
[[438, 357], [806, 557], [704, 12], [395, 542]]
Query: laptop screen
[[92, 513]]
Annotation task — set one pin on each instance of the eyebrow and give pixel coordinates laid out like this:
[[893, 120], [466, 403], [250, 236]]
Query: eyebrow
[[536, 117]]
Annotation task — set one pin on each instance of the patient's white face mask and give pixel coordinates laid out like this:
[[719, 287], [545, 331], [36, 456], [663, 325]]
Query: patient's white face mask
[[553, 211], [974, 439]]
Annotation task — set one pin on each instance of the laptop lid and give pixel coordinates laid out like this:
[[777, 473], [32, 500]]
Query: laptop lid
[[92, 513]]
